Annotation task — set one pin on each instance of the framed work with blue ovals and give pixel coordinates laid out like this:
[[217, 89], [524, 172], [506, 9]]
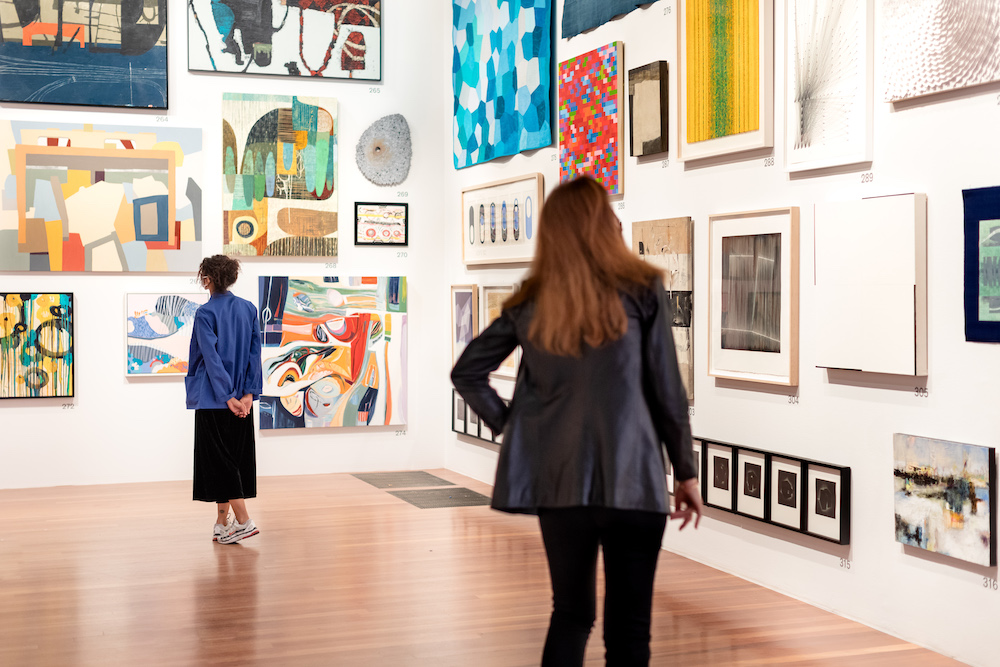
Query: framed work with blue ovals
[[500, 219]]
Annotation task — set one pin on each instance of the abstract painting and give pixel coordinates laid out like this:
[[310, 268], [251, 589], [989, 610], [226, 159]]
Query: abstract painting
[[464, 318], [872, 295], [982, 264], [647, 108], [82, 197], [931, 46], [158, 332], [381, 224], [828, 83], [491, 304], [784, 484], [753, 296], [828, 508], [36, 345], [751, 496], [667, 244], [501, 55], [581, 15], [333, 352], [727, 76], [317, 38], [590, 131], [279, 169], [111, 54], [945, 497], [499, 219]]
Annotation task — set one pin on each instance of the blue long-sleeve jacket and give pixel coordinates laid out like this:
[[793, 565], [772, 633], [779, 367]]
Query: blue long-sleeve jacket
[[224, 361]]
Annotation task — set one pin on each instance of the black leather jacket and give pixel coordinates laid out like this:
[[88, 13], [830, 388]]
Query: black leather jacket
[[584, 431]]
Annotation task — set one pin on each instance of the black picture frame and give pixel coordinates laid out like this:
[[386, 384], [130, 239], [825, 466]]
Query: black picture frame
[[368, 233]]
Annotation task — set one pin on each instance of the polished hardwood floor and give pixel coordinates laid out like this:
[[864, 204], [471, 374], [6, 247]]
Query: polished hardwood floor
[[343, 573]]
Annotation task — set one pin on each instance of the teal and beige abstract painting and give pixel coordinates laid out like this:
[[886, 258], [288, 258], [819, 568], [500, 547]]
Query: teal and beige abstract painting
[[36, 345], [333, 351], [502, 51], [82, 197], [982, 264], [279, 180], [158, 332]]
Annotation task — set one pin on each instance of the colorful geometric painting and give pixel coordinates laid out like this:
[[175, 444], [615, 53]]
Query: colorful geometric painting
[[945, 497], [722, 68], [581, 15], [110, 54], [318, 38], [334, 352], [982, 264], [590, 135], [81, 197], [500, 77], [279, 168], [158, 332], [36, 345]]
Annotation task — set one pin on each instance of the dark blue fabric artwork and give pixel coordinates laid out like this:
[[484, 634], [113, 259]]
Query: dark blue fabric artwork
[[580, 15]]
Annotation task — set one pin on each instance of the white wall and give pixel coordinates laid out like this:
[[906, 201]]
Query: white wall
[[133, 430], [937, 147]]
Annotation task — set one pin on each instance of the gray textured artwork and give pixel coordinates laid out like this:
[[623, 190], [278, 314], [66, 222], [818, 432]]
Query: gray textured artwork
[[936, 45], [751, 293], [384, 151]]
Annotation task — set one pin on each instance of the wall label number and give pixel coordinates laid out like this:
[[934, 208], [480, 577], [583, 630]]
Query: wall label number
[[845, 563], [400, 432], [330, 265], [69, 406], [921, 392], [793, 400], [402, 193], [554, 157], [868, 177], [621, 206], [769, 162], [667, 10], [989, 584], [664, 164], [374, 90], [401, 253], [690, 411]]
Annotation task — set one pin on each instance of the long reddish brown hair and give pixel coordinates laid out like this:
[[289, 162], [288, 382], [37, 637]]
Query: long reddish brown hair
[[580, 265]]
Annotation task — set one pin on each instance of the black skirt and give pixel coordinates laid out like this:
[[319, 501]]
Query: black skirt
[[225, 456]]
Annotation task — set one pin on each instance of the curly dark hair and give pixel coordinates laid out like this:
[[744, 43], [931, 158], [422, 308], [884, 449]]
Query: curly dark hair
[[221, 270]]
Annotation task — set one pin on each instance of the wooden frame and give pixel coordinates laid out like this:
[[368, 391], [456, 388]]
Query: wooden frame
[[740, 360], [508, 236], [508, 369], [383, 223], [739, 140], [457, 346]]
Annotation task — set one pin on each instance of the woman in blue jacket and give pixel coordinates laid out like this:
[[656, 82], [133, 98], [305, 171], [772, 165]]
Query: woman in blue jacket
[[223, 380], [598, 397]]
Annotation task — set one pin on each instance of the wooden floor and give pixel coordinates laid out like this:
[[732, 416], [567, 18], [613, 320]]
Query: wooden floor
[[346, 574]]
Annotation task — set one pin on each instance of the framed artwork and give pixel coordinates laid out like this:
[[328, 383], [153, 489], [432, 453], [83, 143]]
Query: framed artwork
[[648, 109], [751, 483], [279, 175], [828, 502], [471, 422], [829, 76], [381, 224], [464, 318], [485, 432], [754, 296], [668, 244], [670, 478], [158, 330], [114, 198], [37, 353], [932, 47], [491, 305], [498, 437], [785, 484], [501, 62], [590, 127], [872, 295], [982, 264], [457, 412], [333, 351], [581, 15], [107, 54], [287, 38], [719, 478], [699, 464], [945, 497], [499, 219], [726, 77]]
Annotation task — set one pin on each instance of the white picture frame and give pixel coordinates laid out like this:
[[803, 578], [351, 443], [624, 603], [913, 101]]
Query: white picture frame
[[491, 304], [507, 236], [464, 318]]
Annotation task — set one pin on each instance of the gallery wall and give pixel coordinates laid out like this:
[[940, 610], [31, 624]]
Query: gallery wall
[[137, 429], [936, 146]]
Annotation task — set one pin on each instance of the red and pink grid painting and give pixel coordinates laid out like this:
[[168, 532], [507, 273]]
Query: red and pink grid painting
[[589, 132]]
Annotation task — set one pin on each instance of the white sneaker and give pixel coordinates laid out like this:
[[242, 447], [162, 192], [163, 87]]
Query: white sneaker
[[219, 530], [239, 531]]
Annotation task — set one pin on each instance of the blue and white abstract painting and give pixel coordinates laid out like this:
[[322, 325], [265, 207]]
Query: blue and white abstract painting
[[501, 77]]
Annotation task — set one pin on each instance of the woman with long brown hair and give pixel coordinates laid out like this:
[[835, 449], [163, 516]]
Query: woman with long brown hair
[[597, 397]]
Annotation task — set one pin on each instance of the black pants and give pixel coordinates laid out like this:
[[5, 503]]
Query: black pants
[[631, 542]]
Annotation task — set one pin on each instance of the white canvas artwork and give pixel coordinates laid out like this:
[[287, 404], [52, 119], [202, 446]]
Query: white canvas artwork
[[828, 83], [930, 46], [871, 285]]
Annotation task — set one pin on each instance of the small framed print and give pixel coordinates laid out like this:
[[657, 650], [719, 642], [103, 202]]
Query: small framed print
[[500, 219], [491, 305], [457, 412], [828, 504], [485, 432], [699, 465], [381, 224], [670, 478], [464, 318], [784, 481], [471, 422], [719, 476], [751, 489]]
